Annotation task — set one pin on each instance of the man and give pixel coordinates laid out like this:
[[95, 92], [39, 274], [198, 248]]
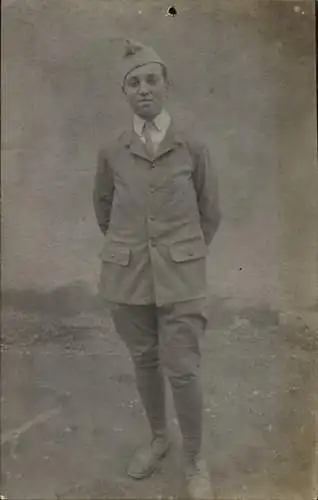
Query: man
[[156, 201]]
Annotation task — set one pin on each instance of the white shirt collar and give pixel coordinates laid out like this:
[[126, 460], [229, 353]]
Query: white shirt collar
[[161, 122]]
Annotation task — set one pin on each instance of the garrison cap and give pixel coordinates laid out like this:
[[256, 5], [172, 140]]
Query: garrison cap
[[136, 55]]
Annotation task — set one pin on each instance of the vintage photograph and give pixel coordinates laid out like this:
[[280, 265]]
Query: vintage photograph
[[159, 250]]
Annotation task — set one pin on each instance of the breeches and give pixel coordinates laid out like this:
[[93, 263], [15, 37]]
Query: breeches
[[166, 340]]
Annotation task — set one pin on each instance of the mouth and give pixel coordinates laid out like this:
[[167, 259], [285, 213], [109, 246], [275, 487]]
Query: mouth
[[145, 101]]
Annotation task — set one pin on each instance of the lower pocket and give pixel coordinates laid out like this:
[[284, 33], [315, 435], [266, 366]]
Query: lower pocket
[[188, 250], [116, 255]]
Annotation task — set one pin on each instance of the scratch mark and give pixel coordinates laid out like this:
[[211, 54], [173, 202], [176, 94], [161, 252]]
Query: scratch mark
[[39, 419]]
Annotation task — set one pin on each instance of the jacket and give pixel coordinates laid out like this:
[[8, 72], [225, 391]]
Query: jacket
[[158, 216]]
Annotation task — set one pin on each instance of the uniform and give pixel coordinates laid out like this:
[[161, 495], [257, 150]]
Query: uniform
[[159, 213]]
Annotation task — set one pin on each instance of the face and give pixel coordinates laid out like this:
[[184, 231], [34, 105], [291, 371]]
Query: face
[[146, 89]]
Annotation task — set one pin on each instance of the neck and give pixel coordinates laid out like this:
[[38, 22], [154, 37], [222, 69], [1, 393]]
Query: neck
[[150, 118]]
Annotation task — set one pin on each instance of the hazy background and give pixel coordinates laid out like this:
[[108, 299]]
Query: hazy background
[[243, 74]]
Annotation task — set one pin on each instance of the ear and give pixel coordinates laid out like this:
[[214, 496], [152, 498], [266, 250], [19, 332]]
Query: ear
[[167, 85], [123, 88], [168, 82]]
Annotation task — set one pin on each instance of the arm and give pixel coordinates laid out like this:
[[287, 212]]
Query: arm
[[206, 185], [103, 192]]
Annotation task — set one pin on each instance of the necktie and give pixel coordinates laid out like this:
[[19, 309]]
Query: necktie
[[148, 142]]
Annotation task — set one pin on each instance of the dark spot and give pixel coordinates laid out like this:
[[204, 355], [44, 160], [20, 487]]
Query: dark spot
[[211, 91], [172, 11], [240, 268], [64, 301], [259, 316]]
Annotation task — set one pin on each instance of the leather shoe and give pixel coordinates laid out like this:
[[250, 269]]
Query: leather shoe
[[198, 481], [146, 458]]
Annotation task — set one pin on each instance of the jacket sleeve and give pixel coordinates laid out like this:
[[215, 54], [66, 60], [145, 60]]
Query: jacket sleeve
[[206, 185], [103, 192]]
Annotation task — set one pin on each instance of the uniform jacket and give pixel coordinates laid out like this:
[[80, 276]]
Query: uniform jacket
[[158, 217]]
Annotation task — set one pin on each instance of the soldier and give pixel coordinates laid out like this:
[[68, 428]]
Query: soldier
[[156, 201]]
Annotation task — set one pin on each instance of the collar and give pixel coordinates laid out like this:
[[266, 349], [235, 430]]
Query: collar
[[161, 122], [174, 137]]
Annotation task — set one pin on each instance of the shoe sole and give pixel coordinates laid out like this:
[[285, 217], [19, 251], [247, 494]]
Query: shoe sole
[[151, 469]]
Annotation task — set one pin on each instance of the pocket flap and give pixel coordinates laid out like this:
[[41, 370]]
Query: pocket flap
[[116, 254], [188, 250]]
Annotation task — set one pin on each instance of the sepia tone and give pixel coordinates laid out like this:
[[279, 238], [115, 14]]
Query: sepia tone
[[243, 76]]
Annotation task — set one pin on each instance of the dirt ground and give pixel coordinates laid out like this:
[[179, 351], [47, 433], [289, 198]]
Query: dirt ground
[[71, 416]]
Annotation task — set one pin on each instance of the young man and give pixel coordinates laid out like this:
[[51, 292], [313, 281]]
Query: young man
[[156, 201]]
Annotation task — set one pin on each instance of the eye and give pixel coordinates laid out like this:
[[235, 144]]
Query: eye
[[133, 82], [152, 79]]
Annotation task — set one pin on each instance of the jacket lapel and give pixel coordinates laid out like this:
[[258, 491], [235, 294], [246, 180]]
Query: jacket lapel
[[137, 147], [171, 140]]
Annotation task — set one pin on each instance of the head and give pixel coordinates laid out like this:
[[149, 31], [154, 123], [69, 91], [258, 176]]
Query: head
[[146, 89]]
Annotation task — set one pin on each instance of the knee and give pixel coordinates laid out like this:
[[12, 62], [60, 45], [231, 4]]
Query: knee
[[148, 360], [182, 370], [178, 381]]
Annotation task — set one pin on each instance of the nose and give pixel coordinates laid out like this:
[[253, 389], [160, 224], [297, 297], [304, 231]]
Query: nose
[[143, 88]]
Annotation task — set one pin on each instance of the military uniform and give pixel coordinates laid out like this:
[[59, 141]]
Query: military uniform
[[159, 213]]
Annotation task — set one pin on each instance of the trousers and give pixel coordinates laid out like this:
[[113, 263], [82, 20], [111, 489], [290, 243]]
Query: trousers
[[165, 341]]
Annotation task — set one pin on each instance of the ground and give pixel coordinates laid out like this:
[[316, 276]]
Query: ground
[[71, 415]]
